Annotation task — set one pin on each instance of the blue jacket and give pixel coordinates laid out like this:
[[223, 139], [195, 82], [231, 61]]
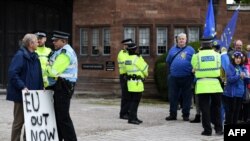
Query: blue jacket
[[24, 71], [235, 86], [181, 65]]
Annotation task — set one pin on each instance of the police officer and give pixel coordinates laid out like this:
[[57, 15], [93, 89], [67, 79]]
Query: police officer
[[43, 53], [122, 55], [206, 65], [137, 70], [62, 72]]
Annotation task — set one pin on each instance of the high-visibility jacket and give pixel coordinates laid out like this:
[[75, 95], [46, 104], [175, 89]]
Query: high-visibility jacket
[[63, 63], [137, 71], [121, 57], [207, 65], [43, 53]]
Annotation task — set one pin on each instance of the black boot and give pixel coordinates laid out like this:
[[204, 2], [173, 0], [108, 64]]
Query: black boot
[[197, 119]]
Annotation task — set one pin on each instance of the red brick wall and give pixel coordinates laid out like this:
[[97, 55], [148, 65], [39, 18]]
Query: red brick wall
[[118, 13]]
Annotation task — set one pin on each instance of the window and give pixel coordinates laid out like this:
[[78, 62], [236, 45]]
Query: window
[[129, 32], [83, 41], [95, 41], [178, 31], [106, 41], [141, 36], [144, 41], [193, 34], [162, 37], [233, 5]]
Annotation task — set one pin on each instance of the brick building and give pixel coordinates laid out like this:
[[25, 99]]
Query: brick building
[[98, 26]]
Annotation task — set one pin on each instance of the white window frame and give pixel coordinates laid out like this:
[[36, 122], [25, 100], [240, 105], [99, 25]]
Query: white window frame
[[165, 41]]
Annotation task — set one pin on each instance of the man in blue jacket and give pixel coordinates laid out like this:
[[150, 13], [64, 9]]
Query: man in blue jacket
[[24, 74], [181, 77]]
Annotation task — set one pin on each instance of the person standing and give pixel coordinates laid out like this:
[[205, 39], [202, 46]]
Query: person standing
[[235, 88], [24, 74], [62, 73], [121, 57], [43, 53], [206, 66], [181, 77], [137, 71]]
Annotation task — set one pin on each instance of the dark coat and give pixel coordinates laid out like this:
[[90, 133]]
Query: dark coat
[[24, 71]]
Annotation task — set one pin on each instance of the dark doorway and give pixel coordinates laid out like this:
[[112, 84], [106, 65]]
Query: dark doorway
[[19, 17]]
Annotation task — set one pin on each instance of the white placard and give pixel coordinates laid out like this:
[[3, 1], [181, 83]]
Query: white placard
[[39, 115]]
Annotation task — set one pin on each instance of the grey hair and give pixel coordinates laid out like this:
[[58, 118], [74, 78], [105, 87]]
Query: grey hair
[[182, 35], [28, 38]]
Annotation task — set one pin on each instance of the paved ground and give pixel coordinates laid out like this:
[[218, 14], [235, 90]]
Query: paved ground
[[97, 120]]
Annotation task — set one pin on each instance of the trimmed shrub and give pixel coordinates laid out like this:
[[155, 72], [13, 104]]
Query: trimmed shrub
[[160, 76]]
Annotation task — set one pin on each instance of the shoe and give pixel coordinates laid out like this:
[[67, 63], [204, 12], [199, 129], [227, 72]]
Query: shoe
[[170, 118], [205, 133], [124, 117], [185, 118], [140, 121], [219, 133], [197, 119], [134, 122]]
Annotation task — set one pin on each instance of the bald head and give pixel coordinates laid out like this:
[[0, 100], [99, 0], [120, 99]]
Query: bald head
[[238, 45]]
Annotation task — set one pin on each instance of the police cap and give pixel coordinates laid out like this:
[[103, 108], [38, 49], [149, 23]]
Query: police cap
[[216, 43], [127, 41], [131, 46], [60, 35], [40, 34], [207, 39]]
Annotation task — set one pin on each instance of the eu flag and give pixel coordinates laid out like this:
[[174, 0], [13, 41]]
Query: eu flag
[[226, 38], [209, 29], [227, 35]]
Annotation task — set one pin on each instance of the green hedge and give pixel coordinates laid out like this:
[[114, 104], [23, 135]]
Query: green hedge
[[160, 72], [160, 76]]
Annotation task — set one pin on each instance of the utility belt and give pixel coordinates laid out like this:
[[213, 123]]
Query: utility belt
[[66, 84], [135, 77]]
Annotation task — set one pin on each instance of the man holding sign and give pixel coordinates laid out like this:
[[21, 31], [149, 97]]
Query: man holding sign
[[24, 74]]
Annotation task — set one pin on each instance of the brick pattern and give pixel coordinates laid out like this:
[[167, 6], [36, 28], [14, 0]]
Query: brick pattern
[[116, 14]]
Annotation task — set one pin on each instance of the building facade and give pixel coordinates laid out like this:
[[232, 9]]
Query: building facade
[[98, 26]]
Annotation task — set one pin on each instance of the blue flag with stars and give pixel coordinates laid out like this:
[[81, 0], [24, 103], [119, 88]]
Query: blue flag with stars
[[226, 38], [227, 35], [209, 29]]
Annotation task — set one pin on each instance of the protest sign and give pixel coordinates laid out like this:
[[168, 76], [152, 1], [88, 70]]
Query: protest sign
[[39, 115]]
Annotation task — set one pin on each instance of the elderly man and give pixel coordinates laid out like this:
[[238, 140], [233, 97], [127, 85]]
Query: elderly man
[[24, 74], [181, 77]]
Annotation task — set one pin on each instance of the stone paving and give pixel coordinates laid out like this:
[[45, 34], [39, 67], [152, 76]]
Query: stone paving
[[96, 119]]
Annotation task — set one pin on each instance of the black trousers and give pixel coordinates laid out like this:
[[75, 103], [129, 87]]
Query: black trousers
[[135, 98], [232, 109], [206, 103], [124, 110], [65, 125]]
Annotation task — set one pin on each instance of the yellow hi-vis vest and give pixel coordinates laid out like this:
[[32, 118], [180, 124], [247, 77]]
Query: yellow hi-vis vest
[[121, 57], [136, 66], [43, 53], [207, 65]]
